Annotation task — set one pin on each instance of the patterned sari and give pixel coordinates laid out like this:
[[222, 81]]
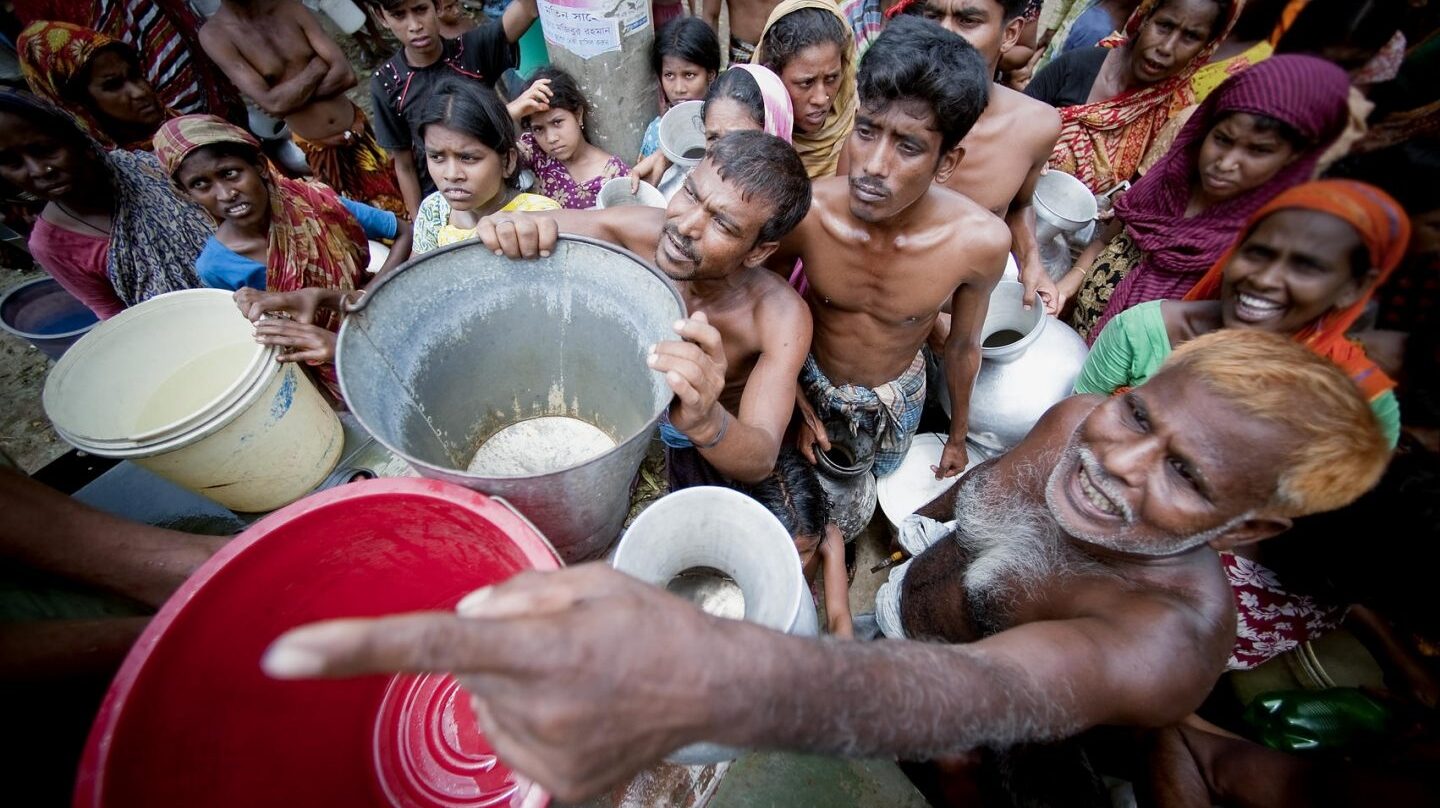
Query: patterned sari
[[54, 54], [314, 241], [1102, 144]]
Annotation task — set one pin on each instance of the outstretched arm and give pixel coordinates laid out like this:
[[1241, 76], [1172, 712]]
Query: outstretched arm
[[521, 234], [583, 676], [518, 17]]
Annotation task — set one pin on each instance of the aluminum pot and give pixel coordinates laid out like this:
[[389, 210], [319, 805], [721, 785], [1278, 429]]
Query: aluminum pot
[[845, 472], [1028, 362], [709, 529], [459, 343]]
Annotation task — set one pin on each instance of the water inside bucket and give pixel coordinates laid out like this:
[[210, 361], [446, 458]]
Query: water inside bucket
[[539, 446], [65, 323], [1001, 338], [694, 153], [713, 591], [193, 385]]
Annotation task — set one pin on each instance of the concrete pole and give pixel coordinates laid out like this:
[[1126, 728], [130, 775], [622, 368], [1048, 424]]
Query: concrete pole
[[605, 45]]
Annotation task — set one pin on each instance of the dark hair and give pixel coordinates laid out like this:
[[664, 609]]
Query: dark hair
[[1009, 9], [688, 38], [794, 495], [49, 119], [474, 109], [1222, 13], [803, 29], [564, 94], [1360, 26], [1265, 123], [1257, 20], [395, 5], [217, 151], [1408, 171], [916, 60], [765, 168], [739, 86]]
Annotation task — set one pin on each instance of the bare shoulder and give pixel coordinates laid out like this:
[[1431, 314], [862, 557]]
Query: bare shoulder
[[984, 233], [1034, 124], [779, 309]]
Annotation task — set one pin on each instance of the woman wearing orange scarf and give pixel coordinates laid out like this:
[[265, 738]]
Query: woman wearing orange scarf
[[96, 78], [1115, 99], [298, 241], [1306, 265]]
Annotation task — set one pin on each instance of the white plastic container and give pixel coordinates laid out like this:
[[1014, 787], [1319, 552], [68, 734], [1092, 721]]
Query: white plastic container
[[682, 134], [178, 385], [721, 530]]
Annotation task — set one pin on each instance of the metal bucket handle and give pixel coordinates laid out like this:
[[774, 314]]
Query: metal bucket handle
[[353, 307]]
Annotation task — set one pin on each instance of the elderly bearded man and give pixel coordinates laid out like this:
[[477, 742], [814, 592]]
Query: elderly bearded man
[[1081, 587]]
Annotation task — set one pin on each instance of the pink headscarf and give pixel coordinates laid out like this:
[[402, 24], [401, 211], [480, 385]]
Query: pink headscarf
[[1305, 93], [779, 115]]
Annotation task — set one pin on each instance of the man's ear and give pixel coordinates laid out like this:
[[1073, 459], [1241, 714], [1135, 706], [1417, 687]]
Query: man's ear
[[1011, 34], [1249, 531], [760, 253], [948, 163]]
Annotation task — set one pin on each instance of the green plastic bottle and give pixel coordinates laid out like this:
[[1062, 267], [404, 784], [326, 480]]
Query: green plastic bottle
[[1316, 720]]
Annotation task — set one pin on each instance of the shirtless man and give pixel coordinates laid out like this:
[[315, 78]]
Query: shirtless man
[[1081, 586], [887, 247], [747, 22], [733, 370], [282, 60], [1009, 146]]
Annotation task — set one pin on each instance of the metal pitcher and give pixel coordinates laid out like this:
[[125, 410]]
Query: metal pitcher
[[459, 343]]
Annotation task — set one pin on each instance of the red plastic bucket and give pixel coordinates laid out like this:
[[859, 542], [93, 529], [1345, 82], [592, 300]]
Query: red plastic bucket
[[191, 720]]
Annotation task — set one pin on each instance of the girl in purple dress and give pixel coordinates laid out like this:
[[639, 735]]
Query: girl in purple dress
[[568, 167]]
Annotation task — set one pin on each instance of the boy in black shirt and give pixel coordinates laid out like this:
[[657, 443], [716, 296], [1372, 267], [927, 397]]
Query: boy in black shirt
[[401, 86]]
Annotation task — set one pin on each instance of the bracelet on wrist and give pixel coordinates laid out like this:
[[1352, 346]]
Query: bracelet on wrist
[[719, 436]]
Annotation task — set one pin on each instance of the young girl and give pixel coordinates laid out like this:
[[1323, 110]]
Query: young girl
[[686, 58], [289, 238], [471, 155], [794, 495], [568, 167]]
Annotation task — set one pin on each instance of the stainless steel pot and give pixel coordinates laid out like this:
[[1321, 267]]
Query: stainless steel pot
[[459, 343]]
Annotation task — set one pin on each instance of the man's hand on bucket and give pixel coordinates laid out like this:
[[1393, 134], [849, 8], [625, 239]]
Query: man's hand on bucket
[[694, 367], [518, 235], [579, 677]]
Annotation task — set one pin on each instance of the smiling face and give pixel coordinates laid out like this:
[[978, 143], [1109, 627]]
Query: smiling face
[[415, 25], [981, 22], [469, 173], [558, 132], [812, 78], [1171, 38], [1238, 156], [726, 115], [1294, 267], [229, 188], [117, 92], [39, 163], [683, 81], [1165, 468], [711, 230], [894, 156]]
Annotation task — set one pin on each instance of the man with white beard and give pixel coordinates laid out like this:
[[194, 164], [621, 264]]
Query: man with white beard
[[1114, 609]]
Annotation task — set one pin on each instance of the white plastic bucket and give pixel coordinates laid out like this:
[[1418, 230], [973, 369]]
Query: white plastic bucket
[[178, 385], [615, 193], [720, 529], [682, 134]]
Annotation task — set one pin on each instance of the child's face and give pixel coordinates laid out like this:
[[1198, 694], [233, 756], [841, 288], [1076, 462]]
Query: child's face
[[468, 172], [683, 81], [414, 24], [807, 546], [558, 133]]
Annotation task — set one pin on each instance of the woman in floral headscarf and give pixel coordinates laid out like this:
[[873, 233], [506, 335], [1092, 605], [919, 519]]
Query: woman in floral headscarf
[[1115, 99], [298, 242], [97, 79]]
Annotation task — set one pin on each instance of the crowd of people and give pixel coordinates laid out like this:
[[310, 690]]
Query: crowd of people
[[1081, 609]]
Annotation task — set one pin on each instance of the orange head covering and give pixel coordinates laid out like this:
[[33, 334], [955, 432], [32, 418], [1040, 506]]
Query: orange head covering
[[1385, 230], [53, 55]]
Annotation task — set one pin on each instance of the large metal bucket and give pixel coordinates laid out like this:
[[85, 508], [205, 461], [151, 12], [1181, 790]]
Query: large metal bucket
[[460, 343]]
